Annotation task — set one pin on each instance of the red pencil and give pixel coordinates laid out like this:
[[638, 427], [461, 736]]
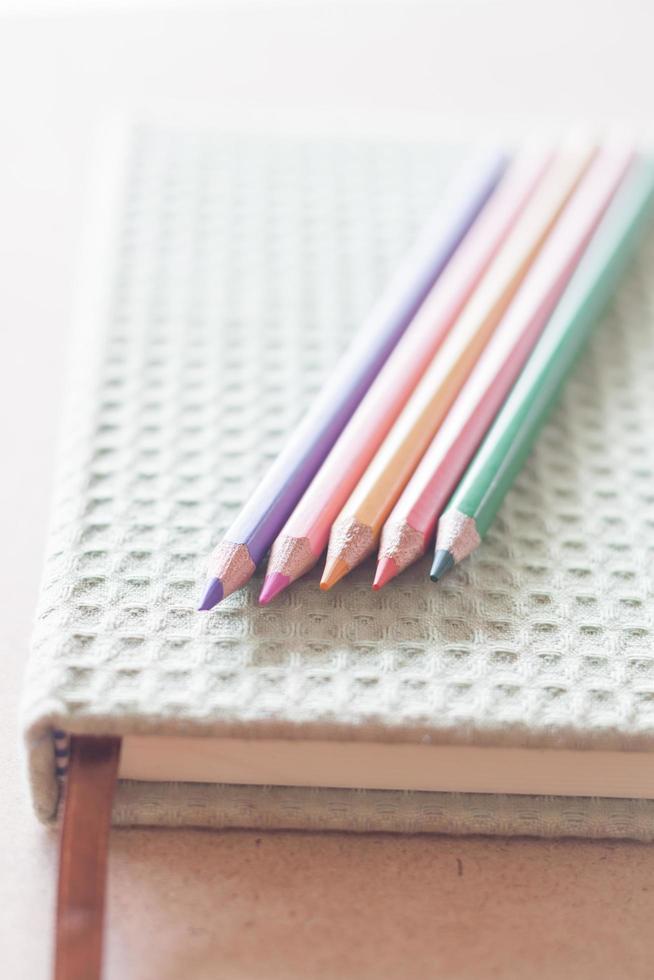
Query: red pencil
[[412, 522]]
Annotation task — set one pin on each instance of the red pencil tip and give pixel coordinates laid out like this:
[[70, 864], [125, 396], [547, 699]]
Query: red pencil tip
[[386, 570], [273, 584]]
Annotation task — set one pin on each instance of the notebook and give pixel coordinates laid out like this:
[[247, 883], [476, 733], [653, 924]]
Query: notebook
[[224, 277]]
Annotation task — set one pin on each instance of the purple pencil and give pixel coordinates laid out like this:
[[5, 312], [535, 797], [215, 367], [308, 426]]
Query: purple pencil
[[235, 559]]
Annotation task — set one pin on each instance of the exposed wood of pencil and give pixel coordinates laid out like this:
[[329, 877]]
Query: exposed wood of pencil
[[356, 530], [304, 536], [411, 524]]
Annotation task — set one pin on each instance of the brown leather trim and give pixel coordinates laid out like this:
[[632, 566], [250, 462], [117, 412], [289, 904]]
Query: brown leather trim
[[90, 786]]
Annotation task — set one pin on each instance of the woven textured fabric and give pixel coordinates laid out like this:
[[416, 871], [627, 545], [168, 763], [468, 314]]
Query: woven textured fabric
[[363, 811], [238, 270]]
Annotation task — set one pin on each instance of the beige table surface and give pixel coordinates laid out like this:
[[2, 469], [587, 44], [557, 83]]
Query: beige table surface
[[191, 904]]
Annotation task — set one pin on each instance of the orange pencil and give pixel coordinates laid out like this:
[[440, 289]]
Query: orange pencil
[[305, 534], [356, 529]]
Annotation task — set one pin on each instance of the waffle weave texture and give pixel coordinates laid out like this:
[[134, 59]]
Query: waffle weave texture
[[233, 274]]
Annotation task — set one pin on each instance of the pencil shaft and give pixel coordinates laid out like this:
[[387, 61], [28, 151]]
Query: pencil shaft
[[512, 435], [392, 466], [306, 532], [480, 398], [269, 506]]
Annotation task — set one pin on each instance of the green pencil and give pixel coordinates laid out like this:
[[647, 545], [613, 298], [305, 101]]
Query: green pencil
[[473, 506]]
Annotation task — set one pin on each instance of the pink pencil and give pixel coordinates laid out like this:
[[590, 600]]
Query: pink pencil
[[412, 522], [304, 537]]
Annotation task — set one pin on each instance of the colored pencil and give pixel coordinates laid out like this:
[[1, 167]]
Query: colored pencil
[[477, 499], [411, 524], [305, 534], [356, 530], [234, 560]]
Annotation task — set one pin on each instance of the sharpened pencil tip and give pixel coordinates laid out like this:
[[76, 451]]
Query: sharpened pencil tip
[[334, 572], [273, 584], [443, 562], [213, 594], [386, 570]]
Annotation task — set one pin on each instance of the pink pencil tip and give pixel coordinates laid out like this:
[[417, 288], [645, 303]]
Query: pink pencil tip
[[386, 570], [273, 584]]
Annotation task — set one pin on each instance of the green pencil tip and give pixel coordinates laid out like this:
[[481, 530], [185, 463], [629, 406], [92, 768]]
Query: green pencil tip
[[443, 561]]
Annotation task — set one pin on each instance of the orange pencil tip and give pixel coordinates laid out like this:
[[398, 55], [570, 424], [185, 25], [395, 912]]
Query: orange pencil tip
[[334, 572], [386, 570]]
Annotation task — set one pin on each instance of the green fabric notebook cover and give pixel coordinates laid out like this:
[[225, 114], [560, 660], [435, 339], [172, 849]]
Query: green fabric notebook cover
[[226, 276]]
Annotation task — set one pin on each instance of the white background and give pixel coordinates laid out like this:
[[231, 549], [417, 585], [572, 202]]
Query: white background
[[186, 904]]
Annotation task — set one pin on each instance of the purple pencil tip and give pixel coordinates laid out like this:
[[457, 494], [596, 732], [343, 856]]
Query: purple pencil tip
[[273, 584], [213, 594]]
